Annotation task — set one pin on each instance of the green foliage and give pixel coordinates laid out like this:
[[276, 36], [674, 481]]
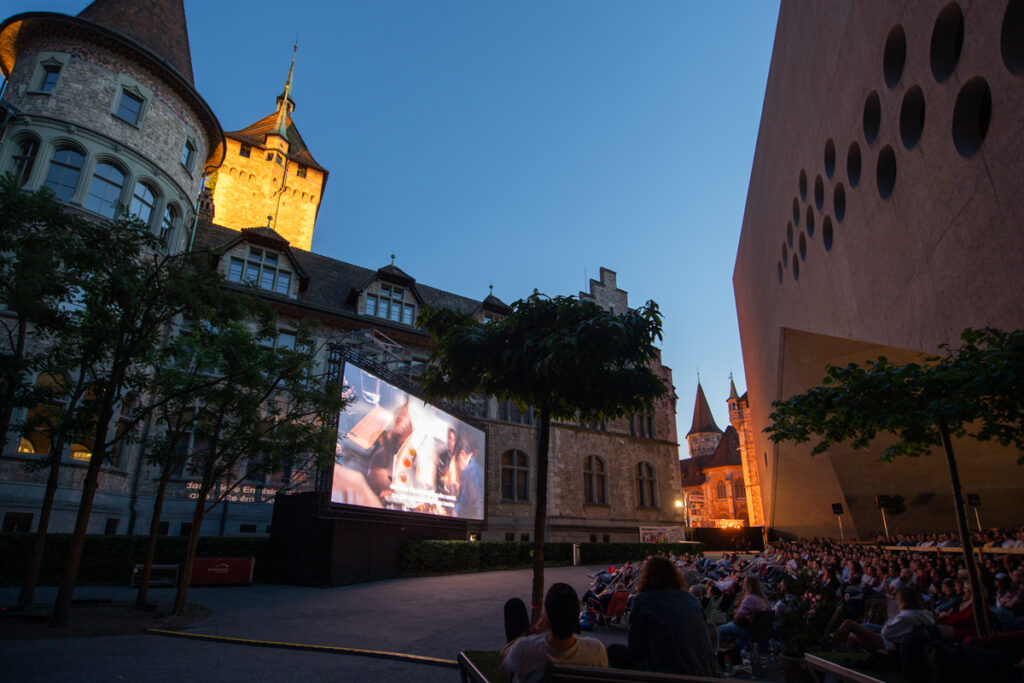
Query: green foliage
[[109, 560], [560, 354], [613, 553], [976, 389]]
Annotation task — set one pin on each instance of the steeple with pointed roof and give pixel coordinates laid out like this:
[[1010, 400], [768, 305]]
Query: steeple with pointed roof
[[704, 434]]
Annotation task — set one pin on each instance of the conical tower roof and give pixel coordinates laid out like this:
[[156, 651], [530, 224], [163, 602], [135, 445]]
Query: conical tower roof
[[703, 420], [155, 24]]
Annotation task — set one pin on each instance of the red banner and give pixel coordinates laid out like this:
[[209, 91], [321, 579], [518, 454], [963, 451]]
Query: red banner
[[208, 571]]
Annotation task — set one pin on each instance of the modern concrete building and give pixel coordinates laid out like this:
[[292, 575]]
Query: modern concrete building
[[883, 217]]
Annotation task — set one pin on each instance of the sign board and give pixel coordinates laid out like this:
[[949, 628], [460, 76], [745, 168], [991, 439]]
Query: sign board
[[208, 571], [696, 497], [837, 508], [662, 534]]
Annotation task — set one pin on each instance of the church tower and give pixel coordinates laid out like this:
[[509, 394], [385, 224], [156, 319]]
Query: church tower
[[704, 434], [269, 174], [739, 418]]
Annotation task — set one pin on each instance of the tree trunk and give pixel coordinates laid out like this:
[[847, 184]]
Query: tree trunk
[[35, 562], [185, 576], [980, 604], [540, 515], [154, 533], [89, 486]]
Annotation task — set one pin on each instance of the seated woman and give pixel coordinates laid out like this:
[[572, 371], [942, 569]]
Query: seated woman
[[895, 631], [962, 619], [753, 601], [666, 626]]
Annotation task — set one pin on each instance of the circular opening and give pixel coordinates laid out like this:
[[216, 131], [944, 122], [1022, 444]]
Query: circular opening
[[785, 255], [872, 117], [780, 272], [839, 202], [947, 41], [826, 233], [789, 234], [886, 172], [830, 157], [796, 269], [819, 192], [912, 117], [803, 184], [810, 224], [853, 164], [803, 247], [895, 55], [796, 212], [1012, 38], [971, 116]]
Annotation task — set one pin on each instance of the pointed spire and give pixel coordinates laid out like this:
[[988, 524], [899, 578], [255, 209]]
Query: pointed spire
[[732, 388], [158, 25], [703, 420], [284, 102]]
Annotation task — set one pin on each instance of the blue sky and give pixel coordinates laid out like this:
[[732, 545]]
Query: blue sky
[[524, 144]]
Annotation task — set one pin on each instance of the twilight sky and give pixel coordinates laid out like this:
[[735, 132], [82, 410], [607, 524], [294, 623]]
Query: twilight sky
[[520, 143]]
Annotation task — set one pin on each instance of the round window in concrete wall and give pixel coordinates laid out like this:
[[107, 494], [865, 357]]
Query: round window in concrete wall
[[810, 223], [803, 184], [826, 233], [803, 247], [830, 157], [839, 202], [872, 117], [853, 164], [947, 41], [796, 269], [785, 255], [789, 234], [885, 174], [1012, 38], [912, 117], [971, 116], [819, 192], [796, 211], [895, 55], [780, 272]]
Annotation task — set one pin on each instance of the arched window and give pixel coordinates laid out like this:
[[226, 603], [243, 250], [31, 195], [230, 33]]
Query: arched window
[[143, 201], [646, 486], [24, 159], [65, 169], [105, 190], [170, 220], [738, 490], [595, 481], [515, 476], [722, 492]]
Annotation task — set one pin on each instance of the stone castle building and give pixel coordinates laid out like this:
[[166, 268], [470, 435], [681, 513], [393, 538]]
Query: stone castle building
[[881, 220], [101, 109]]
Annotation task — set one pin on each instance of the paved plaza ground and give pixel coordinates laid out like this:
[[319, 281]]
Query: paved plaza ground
[[430, 617]]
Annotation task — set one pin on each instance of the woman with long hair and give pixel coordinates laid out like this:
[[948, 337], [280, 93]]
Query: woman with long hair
[[752, 601]]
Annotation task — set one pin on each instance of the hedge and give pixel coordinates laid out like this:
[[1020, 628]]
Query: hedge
[[455, 557], [109, 560]]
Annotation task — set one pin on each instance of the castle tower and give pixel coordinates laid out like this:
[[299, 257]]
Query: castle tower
[[269, 171], [739, 418], [704, 434], [101, 108]]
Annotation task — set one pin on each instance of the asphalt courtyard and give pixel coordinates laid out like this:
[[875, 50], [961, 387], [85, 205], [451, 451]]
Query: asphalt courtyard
[[406, 630]]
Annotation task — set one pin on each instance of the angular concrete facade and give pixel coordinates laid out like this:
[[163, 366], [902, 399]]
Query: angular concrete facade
[[883, 217]]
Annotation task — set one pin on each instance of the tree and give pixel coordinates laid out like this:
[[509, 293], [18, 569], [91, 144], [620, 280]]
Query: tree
[[565, 357], [974, 390]]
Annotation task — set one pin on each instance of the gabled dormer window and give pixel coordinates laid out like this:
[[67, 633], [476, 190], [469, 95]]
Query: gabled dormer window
[[263, 269], [391, 303]]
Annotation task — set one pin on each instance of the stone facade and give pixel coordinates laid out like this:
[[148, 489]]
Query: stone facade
[[739, 418]]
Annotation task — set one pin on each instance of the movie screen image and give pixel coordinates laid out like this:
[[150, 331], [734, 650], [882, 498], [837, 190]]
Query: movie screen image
[[396, 452]]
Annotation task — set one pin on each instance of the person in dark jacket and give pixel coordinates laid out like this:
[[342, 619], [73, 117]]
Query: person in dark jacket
[[667, 633]]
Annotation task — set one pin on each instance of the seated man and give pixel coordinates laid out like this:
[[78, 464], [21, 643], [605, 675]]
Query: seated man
[[525, 659]]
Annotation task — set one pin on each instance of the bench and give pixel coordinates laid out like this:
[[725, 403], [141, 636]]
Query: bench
[[159, 575], [483, 667]]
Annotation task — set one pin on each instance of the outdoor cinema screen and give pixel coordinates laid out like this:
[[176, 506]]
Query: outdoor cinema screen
[[396, 452]]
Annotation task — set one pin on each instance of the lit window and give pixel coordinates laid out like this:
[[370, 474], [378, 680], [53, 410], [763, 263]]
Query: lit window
[[143, 200], [390, 304], [105, 190], [245, 151], [129, 108], [261, 270], [48, 79], [515, 476], [188, 155], [23, 161], [65, 169], [646, 486], [594, 480], [300, 171]]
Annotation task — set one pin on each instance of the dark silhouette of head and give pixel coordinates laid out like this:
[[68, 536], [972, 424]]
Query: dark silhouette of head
[[659, 572], [562, 606]]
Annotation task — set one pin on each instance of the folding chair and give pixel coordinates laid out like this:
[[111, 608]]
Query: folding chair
[[616, 607]]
